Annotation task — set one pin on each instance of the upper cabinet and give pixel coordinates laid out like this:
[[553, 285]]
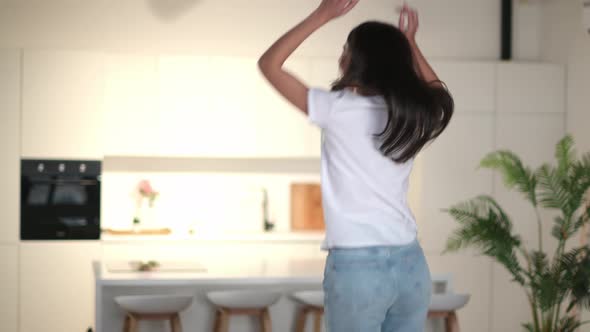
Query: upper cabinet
[[284, 131], [471, 84], [9, 144], [62, 111], [530, 88], [131, 117], [222, 107], [324, 71], [88, 105]]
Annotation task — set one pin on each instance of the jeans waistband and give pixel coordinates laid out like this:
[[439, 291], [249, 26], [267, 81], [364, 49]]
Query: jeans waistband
[[383, 251]]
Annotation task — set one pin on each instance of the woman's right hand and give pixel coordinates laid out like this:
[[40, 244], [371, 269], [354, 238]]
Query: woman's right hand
[[331, 9], [408, 22]]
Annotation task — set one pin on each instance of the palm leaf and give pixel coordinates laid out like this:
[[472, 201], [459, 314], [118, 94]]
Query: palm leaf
[[528, 327], [486, 227], [565, 154], [576, 266], [545, 282], [515, 174], [568, 324], [553, 190]]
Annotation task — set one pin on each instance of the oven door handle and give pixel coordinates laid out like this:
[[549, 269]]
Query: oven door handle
[[78, 182]]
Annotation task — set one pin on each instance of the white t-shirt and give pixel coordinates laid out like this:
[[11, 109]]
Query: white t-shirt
[[364, 193]]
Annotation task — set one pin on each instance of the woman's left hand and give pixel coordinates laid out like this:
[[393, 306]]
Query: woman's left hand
[[331, 9]]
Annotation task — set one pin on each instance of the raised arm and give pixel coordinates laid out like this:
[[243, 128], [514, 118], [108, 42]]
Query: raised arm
[[272, 61], [408, 24]]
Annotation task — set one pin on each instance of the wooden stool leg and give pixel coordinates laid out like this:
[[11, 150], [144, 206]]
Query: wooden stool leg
[[301, 319], [175, 324], [217, 321], [266, 323], [126, 323], [133, 323], [317, 321], [223, 321], [452, 323]]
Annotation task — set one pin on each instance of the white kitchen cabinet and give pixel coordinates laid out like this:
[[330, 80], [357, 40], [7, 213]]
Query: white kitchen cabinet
[[188, 124], [132, 120], [222, 107], [452, 159], [62, 110], [324, 71], [284, 129], [9, 287], [530, 88], [57, 285], [470, 83], [9, 144]]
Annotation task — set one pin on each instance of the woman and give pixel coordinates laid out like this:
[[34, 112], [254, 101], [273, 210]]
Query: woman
[[386, 106]]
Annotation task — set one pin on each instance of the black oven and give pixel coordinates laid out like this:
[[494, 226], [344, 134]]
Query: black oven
[[60, 199]]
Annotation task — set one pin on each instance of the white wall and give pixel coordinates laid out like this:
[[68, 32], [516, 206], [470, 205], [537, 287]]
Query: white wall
[[565, 40], [449, 29]]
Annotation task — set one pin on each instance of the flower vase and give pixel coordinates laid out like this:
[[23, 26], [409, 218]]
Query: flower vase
[[147, 215]]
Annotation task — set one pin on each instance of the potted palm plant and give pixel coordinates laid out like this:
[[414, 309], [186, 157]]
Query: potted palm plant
[[557, 282]]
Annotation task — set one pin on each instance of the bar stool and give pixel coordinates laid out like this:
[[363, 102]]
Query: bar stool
[[153, 307], [445, 306], [450, 317], [313, 303], [251, 303]]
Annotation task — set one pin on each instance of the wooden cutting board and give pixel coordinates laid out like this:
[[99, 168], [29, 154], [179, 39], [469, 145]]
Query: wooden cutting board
[[306, 207]]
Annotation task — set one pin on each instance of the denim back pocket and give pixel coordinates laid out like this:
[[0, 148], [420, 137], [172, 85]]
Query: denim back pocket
[[351, 261]]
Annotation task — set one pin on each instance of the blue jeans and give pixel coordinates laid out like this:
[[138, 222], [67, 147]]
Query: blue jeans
[[377, 289]]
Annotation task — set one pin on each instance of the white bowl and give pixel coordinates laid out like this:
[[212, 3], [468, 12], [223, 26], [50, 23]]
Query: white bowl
[[313, 298], [448, 302], [243, 299], [154, 304]]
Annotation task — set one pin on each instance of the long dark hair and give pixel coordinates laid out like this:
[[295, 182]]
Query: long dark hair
[[379, 61]]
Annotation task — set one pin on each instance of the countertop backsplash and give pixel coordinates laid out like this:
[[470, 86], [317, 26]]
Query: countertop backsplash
[[202, 202]]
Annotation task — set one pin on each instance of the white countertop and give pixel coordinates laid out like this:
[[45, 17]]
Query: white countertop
[[305, 237], [237, 272]]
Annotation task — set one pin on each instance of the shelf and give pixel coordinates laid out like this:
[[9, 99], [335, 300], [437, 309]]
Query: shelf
[[231, 165], [301, 237]]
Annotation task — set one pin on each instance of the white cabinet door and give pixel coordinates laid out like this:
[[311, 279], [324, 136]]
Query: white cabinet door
[[530, 88], [452, 159], [222, 107], [57, 285], [283, 129], [62, 104], [188, 124], [9, 145], [130, 106], [9, 287], [471, 84], [324, 71]]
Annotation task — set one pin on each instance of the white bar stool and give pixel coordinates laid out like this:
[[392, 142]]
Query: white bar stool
[[153, 307], [252, 303], [313, 303], [445, 306]]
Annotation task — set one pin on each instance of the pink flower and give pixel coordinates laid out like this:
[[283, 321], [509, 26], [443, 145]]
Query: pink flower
[[146, 190]]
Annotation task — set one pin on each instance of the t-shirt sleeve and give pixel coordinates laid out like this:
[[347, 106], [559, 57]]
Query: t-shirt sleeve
[[320, 104]]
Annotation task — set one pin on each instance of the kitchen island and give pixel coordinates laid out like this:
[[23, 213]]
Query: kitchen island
[[211, 273], [283, 275]]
